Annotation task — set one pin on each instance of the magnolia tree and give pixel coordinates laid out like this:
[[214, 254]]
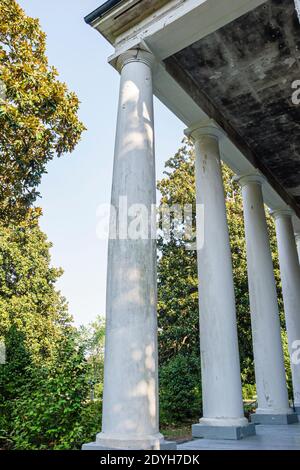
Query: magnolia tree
[[38, 115]]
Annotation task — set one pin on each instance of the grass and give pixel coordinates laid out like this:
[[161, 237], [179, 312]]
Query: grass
[[177, 432], [183, 432]]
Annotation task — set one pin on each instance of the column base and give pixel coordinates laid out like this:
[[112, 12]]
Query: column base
[[261, 418], [165, 445], [104, 442], [223, 432], [297, 409]]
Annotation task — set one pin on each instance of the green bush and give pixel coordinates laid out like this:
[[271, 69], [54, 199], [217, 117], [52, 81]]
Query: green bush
[[249, 392], [35, 426], [50, 407], [180, 390]]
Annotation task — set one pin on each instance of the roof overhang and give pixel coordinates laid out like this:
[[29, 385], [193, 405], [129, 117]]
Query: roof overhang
[[166, 28], [101, 11]]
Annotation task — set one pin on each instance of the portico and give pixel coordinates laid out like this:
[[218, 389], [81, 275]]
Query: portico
[[221, 68]]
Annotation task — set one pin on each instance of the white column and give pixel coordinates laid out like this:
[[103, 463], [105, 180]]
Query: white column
[[220, 366], [297, 238], [272, 395], [130, 401], [290, 278]]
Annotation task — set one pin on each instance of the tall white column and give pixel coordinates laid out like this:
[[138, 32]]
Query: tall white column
[[297, 238], [272, 394], [220, 366], [290, 278], [130, 401]]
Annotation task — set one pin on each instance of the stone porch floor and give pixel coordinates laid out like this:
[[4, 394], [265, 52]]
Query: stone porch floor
[[267, 438]]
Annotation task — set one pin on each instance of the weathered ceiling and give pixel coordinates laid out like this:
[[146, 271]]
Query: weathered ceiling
[[242, 77], [120, 15]]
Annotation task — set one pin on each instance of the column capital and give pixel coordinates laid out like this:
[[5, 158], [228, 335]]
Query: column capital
[[135, 55], [203, 129], [243, 180], [279, 213]]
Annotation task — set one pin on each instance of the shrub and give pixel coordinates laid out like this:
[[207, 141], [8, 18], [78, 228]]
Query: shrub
[[180, 389]]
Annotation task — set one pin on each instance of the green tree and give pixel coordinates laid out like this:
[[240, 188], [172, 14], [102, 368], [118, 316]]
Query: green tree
[[177, 267], [178, 318], [92, 337], [180, 391], [48, 411], [44, 384], [38, 115], [29, 301]]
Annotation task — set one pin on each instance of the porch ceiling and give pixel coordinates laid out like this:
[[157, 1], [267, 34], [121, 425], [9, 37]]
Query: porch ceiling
[[242, 75]]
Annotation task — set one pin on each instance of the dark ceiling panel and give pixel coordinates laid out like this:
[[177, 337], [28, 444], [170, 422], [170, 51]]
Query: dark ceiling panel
[[243, 76]]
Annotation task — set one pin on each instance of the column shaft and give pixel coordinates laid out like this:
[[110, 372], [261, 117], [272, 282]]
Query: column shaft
[[220, 367], [272, 396], [290, 278], [130, 402], [298, 244]]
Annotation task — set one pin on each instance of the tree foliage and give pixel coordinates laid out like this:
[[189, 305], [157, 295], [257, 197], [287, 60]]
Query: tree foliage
[[177, 267], [47, 411], [180, 391], [38, 115], [44, 382], [29, 302], [93, 339]]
